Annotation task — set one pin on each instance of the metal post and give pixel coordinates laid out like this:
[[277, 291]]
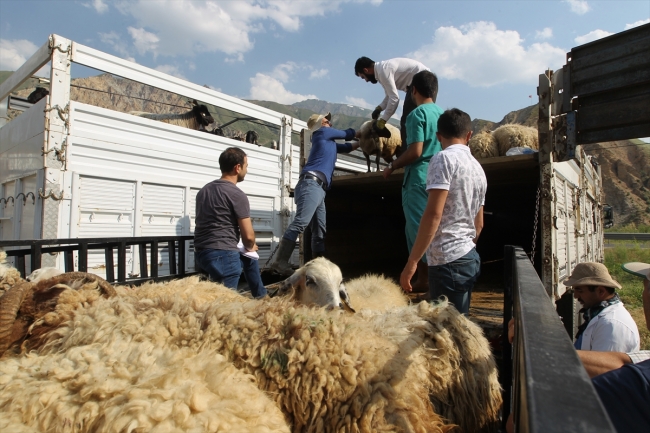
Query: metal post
[[110, 271], [83, 257]]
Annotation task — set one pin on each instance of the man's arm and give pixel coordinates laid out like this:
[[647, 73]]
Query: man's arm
[[247, 234], [412, 153], [428, 227], [391, 101], [646, 302], [601, 362], [478, 224]]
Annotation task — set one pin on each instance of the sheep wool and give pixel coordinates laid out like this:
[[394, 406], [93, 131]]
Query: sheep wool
[[515, 135], [483, 145], [371, 144], [375, 292], [132, 386], [326, 370]]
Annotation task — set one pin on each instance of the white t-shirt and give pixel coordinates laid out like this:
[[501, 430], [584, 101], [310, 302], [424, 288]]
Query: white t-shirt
[[395, 74], [456, 170], [612, 330]]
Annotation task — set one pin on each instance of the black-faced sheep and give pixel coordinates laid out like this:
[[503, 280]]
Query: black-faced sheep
[[371, 144], [198, 118], [38, 94], [252, 137]]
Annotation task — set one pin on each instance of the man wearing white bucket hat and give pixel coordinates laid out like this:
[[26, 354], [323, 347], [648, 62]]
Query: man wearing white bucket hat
[[309, 194], [608, 326], [622, 380]]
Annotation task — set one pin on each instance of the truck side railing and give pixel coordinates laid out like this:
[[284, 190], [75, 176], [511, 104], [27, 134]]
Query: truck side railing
[[551, 391], [176, 245]]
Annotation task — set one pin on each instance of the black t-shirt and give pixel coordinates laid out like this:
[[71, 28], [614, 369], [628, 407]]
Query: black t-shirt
[[219, 206]]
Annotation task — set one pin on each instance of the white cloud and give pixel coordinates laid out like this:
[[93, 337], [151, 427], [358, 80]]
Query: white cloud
[[13, 53], [100, 6], [270, 86], [186, 27], [266, 88], [579, 7], [318, 73], [592, 36], [171, 70], [359, 102], [547, 33], [482, 56], [119, 46], [144, 41], [637, 24]]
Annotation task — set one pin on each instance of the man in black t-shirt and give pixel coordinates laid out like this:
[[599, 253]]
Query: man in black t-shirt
[[222, 217]]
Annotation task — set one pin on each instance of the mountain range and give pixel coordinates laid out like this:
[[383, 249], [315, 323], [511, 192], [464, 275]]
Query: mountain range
[[625, 164]]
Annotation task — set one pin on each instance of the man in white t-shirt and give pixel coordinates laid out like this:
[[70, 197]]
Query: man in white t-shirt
[[393, 75], [607, 325], [453, 217]]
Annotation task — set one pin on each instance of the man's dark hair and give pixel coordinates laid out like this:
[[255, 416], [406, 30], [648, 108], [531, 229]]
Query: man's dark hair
[[229, 158], [426, 83], [362, 62], [454, 123]]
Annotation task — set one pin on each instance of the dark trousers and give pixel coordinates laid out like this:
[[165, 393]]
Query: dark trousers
[[455, 280], [225, 267]]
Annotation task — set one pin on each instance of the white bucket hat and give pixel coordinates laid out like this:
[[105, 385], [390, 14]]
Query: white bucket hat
[[637, 268], [315, 120]]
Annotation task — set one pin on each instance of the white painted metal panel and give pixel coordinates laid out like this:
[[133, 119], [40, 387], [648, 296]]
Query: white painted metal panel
[[163, 212], [106, 209], [27, 218], [21, 143], [7, 206]]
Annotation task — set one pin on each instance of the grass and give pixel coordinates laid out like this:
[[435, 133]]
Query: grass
[[632, 286], [630, 228]]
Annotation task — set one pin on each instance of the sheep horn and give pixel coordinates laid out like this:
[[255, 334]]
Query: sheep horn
[[9, 305], [106, 288]]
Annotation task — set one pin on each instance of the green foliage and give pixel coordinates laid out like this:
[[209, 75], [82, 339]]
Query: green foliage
[[632, 285], [629, 228]]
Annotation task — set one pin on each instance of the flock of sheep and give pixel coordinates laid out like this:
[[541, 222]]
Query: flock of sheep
[[79, 355]]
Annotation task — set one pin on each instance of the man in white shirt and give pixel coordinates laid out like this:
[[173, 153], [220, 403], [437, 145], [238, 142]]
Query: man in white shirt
[[453, 217], [608, 326], [393, 75]]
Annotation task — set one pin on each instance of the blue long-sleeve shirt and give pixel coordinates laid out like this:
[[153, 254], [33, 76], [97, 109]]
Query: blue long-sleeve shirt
[[324, 149]]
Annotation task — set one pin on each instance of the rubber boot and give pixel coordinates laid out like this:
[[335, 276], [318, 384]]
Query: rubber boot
[[281, 263]]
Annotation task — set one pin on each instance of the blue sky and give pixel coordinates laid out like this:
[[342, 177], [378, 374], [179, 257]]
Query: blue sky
[[487, 54]]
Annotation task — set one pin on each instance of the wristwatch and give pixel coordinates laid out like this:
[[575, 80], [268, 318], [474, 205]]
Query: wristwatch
[[390, 166]]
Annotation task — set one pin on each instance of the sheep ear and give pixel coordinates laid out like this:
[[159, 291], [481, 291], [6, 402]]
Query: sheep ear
[[347, 305]]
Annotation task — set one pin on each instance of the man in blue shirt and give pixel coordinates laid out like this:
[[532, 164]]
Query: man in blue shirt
[[309, 194]]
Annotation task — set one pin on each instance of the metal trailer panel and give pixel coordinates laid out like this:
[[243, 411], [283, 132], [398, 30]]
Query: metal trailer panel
[[21, 144], [610, 81]]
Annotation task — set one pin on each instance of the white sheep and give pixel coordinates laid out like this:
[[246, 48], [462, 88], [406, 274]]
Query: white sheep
[[483, 145], [371, 144], [396, 370], [43, 274], [198, 118], [515, 135]]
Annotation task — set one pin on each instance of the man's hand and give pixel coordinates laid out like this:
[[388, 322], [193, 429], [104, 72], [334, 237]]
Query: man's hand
[[255, 248], [379, 126], [375, 114], [388, 171], [407, 274]]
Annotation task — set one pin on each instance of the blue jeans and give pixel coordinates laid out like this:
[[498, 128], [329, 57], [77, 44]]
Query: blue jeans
[[310, 210], [225, 267], [455, 280]]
